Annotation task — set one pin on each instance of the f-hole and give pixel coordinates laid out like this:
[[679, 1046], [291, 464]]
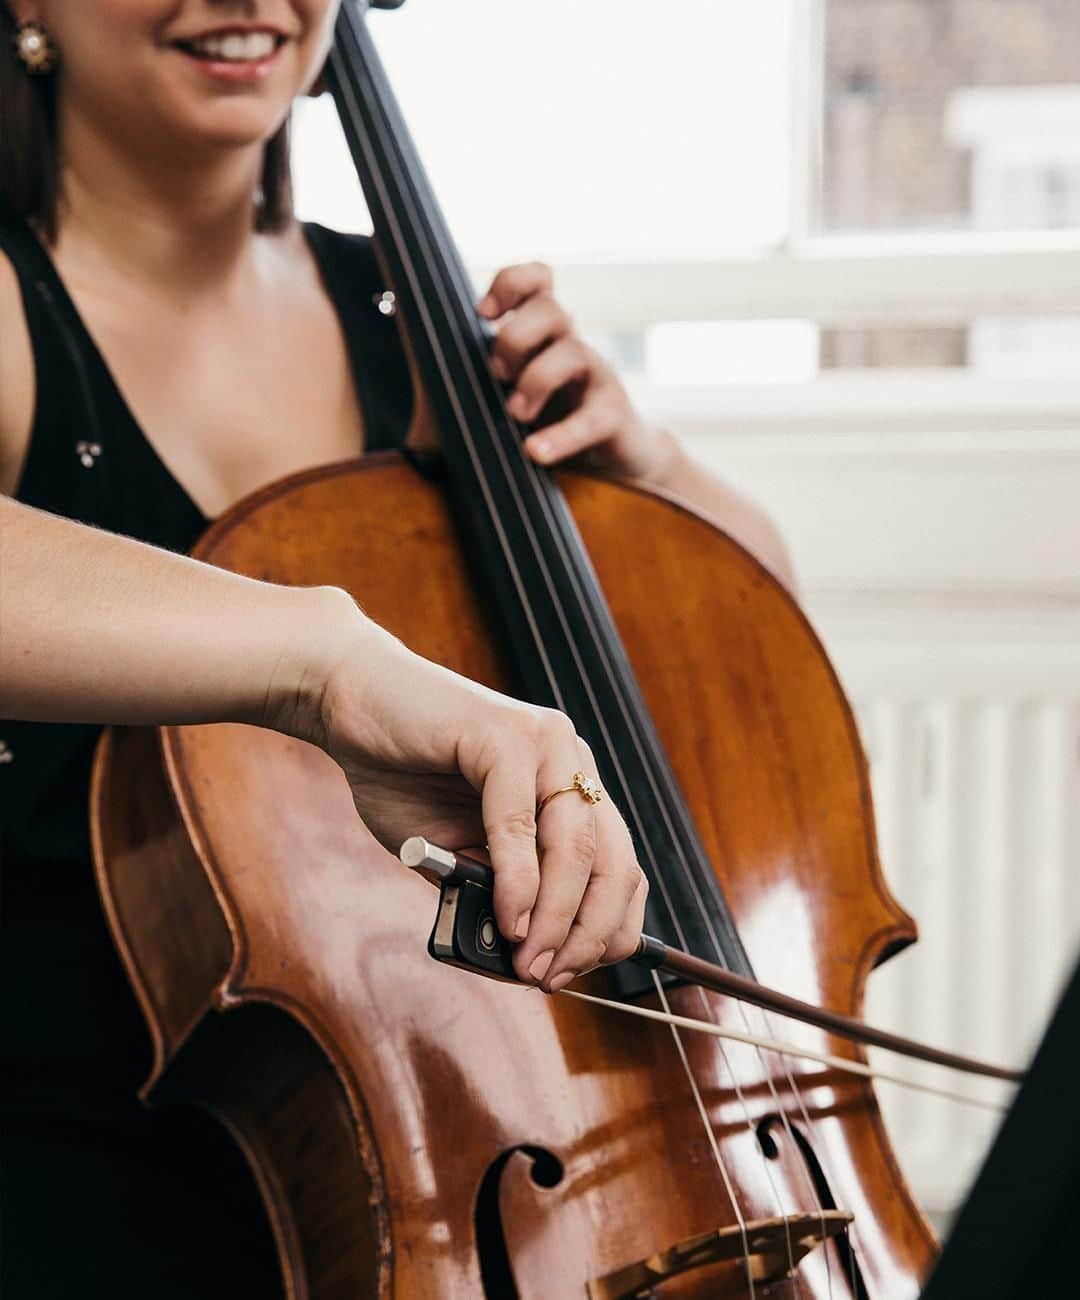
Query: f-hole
[[495, 1272], [768, 1130]]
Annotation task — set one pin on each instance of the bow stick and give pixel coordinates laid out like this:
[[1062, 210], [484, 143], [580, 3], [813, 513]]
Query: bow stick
[[465, 934]]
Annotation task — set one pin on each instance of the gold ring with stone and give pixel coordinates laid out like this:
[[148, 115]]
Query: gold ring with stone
[[584, 785]]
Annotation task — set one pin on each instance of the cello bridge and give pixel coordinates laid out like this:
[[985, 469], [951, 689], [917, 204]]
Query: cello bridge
[[774, 1248]]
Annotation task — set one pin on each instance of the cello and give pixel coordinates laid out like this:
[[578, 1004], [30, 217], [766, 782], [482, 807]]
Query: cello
[[416, 1131]]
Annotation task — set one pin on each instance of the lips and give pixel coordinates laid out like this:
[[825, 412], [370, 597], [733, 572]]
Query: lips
[[233, 46]]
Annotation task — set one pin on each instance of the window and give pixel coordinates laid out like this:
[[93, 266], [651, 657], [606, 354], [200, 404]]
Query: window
[[812, 174], [919, 98], [570, 131], [611, 131]]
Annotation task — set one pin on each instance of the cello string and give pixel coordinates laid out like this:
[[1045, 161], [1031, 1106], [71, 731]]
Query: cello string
[[612, 751], [611, 748], [478, 468], [600, 649], [533, 480], [699, 1102], [752, 1130], [523, 596], [844, 1063], [541, 499]]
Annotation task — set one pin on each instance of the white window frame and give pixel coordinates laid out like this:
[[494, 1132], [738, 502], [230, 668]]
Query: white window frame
[[843, 280]]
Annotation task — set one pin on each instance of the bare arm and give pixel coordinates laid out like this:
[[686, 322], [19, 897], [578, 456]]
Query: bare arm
[[100, 628], [16, 379], [678, 473]]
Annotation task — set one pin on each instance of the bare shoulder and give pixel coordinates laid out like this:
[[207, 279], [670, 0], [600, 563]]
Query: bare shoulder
[[16, 378]]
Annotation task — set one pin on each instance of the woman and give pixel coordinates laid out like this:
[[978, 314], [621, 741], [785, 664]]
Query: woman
[[146, 244]]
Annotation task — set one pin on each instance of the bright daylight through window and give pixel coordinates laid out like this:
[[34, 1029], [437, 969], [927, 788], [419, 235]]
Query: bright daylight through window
[[608, 131]]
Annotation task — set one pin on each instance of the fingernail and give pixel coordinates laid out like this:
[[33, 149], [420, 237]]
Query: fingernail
[[522, 927], [540, 448], [540, 964], [519, 404], [486, 303], [561, 981]]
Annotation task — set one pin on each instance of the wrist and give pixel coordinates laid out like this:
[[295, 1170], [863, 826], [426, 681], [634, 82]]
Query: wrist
[[329, 628]]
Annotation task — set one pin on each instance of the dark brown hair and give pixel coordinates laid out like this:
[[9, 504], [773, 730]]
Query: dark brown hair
[[29, 155]]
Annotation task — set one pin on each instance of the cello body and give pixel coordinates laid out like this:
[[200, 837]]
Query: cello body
[[421, 1133]]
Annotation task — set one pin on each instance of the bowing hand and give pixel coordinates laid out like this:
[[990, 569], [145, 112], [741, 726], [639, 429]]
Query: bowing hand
[[427, 752]]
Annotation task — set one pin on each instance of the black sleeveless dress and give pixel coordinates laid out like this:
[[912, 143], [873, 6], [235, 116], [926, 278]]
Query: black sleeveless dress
[[99, 1196]]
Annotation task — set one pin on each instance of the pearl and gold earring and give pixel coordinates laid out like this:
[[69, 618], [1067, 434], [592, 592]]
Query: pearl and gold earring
[[35, 48]]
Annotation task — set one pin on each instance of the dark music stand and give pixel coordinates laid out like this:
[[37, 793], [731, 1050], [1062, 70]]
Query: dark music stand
[[1015, 1235]]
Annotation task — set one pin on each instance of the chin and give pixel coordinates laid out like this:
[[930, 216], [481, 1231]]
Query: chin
[[237, 130], [229, 124], [221, 115]]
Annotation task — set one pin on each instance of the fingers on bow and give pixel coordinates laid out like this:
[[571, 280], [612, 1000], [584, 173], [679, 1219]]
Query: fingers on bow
[[567, 885], [607, 925]]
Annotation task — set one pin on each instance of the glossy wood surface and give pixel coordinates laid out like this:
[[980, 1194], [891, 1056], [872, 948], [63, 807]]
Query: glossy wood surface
[[455, 1091]]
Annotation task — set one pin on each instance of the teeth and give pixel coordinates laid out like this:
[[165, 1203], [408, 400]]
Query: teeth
[[239, 47]]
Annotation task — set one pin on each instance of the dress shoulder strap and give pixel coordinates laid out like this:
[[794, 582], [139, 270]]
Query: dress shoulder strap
[[65, 396]]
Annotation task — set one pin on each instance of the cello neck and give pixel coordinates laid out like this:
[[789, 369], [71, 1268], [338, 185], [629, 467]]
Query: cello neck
[[553, 620]]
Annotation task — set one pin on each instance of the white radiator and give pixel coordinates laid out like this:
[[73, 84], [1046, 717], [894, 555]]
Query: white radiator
[[976, 797], [942, 568]]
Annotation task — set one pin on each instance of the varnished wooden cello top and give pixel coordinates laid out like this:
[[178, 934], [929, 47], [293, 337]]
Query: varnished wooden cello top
[[441, 1076]]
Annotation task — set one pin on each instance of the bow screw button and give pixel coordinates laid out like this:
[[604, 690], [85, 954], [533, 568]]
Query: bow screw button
[[487, 935], [386, 302], [6, 755], [87, 452]]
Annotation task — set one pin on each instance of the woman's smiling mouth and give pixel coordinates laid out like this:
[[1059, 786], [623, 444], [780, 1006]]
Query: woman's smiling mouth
[[235, 53]]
